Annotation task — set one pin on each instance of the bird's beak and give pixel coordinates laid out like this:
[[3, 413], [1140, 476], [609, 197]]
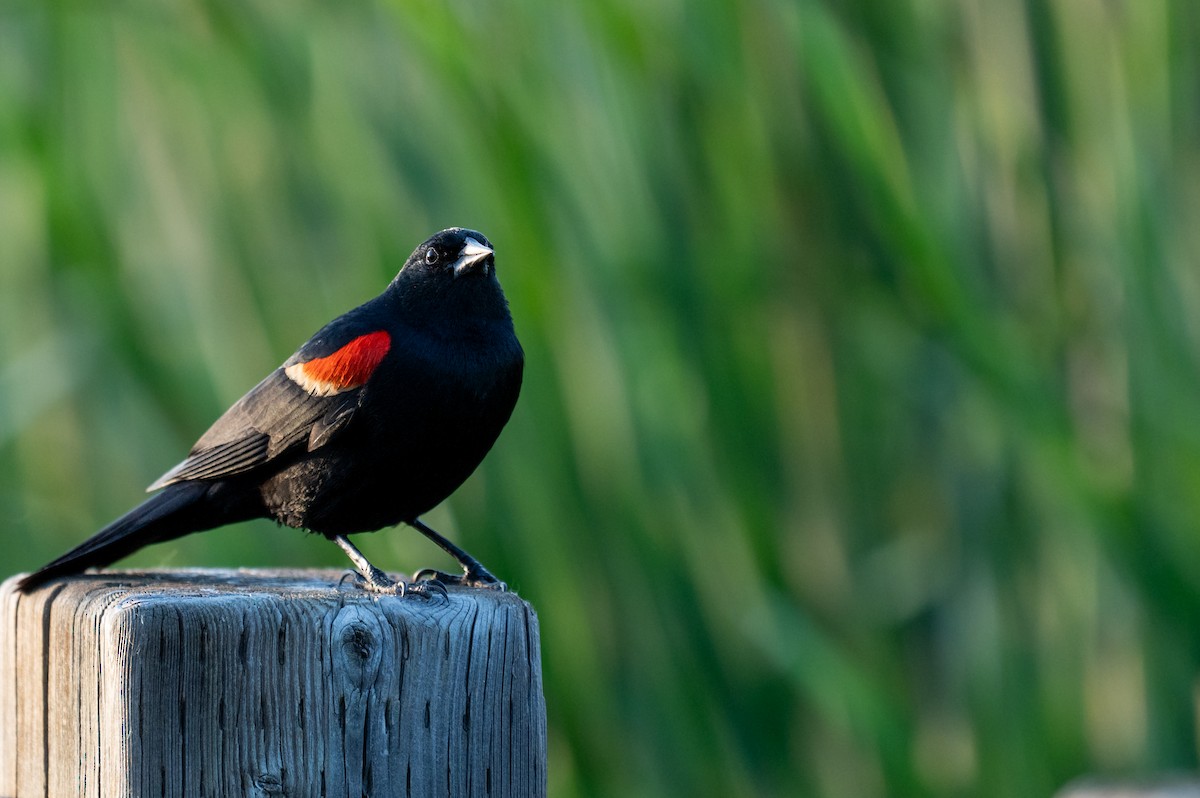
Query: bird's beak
[[472, 252]]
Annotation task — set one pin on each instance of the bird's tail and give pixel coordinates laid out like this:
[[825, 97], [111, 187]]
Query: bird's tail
[[176, 511]]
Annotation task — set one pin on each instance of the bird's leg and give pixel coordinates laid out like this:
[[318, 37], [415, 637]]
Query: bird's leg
[[377, 581], [474, 574]]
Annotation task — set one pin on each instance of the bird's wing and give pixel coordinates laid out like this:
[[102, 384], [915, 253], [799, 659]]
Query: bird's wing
[[307, 400], [230, 457]]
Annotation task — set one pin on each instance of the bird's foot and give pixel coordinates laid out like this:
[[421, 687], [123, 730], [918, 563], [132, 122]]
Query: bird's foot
[[380, 583], [425, 588], [474, 574], [374, 580], [471, 577]]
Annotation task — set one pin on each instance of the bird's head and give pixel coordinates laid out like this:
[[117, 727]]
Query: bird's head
[[453, 254], [453, 271]]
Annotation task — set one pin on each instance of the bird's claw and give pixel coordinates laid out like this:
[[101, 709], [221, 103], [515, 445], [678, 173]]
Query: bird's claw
[[481, 578], [380, 583], [426, 588]]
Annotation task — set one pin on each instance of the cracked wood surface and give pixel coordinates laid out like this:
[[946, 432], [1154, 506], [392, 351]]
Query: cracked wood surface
[[266, 683]]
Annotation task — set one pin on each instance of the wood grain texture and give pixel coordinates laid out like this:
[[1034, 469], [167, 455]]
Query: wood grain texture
[[266, 683]]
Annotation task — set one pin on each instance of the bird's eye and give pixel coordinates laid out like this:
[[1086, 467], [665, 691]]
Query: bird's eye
[[431, 256]]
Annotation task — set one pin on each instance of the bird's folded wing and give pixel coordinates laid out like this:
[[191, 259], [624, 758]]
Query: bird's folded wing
[[276, 415], [222, 460]]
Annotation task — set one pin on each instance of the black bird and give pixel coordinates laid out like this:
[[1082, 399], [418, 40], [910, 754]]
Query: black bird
[[375, 420]]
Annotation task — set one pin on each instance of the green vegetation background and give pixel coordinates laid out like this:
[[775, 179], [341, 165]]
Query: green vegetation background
[[858, 453]]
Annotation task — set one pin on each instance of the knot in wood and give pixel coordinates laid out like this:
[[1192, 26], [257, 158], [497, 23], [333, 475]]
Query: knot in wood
[[358, 641], [357, 646], [268, 784]]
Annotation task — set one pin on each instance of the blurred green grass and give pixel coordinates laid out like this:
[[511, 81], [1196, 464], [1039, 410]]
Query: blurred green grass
[[857, 453]]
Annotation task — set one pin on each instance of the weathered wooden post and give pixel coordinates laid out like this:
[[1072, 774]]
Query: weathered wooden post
[[266, 683]]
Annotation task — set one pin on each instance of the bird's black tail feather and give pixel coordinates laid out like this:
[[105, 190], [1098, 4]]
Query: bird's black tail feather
[[176, 511]]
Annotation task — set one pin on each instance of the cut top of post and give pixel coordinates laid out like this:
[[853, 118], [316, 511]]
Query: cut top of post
[[263, 682]]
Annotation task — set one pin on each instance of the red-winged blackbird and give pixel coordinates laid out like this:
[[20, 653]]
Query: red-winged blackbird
[[375, 420]]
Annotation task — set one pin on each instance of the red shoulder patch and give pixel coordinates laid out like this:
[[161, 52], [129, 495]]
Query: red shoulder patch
[[347, 368]]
